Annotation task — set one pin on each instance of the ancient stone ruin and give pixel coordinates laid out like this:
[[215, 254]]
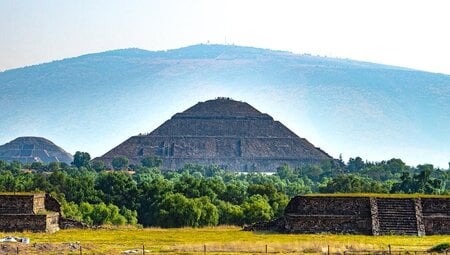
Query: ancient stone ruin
[[368, 215], [223, 132], [27, 212], [33, 149], [32, 212]]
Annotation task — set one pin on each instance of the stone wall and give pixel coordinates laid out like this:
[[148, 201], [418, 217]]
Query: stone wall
[[306, 214], [22, 203], [51, 204], [29, 212], [232, 153], [436, 216], [29, 222], [369, 215], [320, 205], [38, 203], [338, 224]]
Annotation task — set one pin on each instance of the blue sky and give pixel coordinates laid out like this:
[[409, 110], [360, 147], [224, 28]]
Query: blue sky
[[404, 33]]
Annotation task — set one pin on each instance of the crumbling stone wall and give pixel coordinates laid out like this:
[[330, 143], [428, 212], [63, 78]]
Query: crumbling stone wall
[[338, 224], [436, 216], [65, 223], [29, 222], [328, 214], [363, 215], [29, 212], [38, 203], [320, 205], [21, 203], [51, 204]]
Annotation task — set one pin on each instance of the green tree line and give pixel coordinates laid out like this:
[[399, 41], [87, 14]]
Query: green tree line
[[205, 195]]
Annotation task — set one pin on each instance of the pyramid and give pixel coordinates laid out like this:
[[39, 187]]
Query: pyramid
[[224, 132], [33, 149]]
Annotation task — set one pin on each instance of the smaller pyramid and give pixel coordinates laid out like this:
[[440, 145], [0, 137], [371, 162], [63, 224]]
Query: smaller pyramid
[[33, 149]]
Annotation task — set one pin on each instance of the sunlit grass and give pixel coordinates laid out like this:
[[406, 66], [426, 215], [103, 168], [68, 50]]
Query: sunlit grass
[[225, 239]]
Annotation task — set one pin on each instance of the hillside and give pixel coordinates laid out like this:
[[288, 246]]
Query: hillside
[[94, 102]]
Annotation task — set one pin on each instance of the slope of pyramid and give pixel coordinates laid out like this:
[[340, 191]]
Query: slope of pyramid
[[223, 132], [33, 149]]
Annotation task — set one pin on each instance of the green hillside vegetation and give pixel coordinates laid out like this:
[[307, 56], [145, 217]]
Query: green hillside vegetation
[[197, 196]]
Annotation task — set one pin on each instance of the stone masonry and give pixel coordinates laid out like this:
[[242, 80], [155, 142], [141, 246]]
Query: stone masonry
[[28, 212], [223, 132], [369, 215]]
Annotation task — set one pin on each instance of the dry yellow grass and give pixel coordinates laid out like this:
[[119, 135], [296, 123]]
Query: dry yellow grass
[[223, 240]]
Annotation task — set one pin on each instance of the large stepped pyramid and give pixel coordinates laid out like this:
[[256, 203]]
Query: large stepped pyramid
[[224, 132], [397, 216]]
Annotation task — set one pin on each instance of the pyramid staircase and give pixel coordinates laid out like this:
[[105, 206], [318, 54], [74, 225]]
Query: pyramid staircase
[[396, 216]]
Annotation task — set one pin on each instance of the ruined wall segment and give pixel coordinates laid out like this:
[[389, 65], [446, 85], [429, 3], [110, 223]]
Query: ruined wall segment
[[370, 215], [436, 216], [28, 212], [21, 203], [223, 132], [306, 214]]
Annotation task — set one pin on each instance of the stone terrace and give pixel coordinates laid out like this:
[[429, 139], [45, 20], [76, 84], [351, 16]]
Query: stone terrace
[[375, 215], [27, 212]]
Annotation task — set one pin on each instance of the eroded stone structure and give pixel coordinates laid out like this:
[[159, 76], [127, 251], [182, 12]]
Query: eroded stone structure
[[223, 132], [369, 215], [30, 149], [28, 212]]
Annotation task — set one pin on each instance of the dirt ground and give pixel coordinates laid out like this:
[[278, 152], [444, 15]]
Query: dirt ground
[[40, 248]]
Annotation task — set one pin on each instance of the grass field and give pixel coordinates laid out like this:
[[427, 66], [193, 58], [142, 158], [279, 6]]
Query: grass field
[[218, 240]]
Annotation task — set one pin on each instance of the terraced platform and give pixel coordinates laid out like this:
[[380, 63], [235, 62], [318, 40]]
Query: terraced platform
[[368, 215]]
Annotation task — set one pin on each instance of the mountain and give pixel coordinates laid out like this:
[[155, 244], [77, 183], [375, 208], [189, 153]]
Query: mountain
[[223, 132], [94, 102], [33, 149]]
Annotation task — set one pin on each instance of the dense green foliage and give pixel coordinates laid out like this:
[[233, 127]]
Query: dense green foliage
[[440, 247], [205, 195]]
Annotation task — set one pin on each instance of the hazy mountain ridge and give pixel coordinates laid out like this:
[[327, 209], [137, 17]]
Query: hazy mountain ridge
[[343, 106]]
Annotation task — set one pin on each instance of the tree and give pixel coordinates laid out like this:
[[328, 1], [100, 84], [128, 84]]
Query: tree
[[118, 188], [3, 165], [175, 210], [209, 215], [151, 161], [285, 172], [256, 208], [230, 214], [120, 163], [235, 193], [355, 164], [37, 166], [81, 159], [53, 166], [420, 183], [98, 165], [351, 183]]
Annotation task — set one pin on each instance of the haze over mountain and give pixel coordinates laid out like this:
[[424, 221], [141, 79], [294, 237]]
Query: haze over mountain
[[94, 102]]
